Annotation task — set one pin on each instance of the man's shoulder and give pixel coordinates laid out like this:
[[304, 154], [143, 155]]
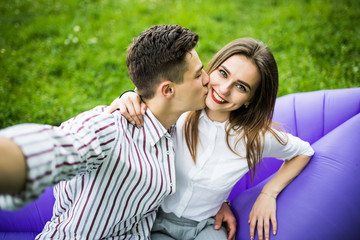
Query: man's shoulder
[[96, 116]]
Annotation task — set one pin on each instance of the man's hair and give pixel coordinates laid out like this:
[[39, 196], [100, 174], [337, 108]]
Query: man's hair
[[159, 53]]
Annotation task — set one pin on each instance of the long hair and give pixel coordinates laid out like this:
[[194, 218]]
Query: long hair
[[249, 123]]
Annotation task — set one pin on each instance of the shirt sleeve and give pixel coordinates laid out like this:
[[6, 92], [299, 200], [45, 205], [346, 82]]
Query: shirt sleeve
[[291, 147], [54, 154]]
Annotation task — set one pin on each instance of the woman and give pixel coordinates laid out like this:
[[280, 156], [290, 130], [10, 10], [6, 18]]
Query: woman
[[216, 146]]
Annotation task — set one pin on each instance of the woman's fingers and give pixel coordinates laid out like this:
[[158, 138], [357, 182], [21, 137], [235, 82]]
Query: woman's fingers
[[252, 222], [260, 226], [274, 223], [266, 228]]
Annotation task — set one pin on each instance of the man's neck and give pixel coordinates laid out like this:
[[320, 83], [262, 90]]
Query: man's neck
[[165, 113]]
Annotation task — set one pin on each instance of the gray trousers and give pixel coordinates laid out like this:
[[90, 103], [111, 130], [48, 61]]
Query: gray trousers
[[168, 226]]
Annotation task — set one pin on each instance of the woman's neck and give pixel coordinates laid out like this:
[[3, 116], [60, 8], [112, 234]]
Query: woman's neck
[[217, 116]]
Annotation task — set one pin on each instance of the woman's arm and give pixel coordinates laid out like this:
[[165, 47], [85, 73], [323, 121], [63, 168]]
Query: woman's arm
[[264, 208], [286, 173], [130, 106]]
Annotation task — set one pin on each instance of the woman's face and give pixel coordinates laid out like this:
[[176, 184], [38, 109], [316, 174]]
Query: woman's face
[[231, 85]]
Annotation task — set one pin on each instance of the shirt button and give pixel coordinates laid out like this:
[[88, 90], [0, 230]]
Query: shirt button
[[167, 152]]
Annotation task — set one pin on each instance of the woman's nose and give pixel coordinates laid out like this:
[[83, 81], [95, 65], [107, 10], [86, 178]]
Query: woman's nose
[[225, 89]]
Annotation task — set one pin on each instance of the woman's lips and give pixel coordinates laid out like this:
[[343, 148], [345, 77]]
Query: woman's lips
[[215, 96]]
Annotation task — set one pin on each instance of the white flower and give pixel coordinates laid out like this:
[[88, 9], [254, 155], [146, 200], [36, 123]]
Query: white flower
[[77, 28], [92, 40]]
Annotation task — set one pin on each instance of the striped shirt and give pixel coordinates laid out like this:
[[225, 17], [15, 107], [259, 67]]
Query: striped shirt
[[109, 176]]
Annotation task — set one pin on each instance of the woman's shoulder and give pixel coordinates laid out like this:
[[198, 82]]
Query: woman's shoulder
[[181, 120]]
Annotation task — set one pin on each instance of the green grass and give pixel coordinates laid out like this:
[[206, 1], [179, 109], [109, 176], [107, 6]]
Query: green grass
[[59, 58]]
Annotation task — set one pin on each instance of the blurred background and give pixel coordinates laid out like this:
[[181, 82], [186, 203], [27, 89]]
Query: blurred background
[[61, 57]]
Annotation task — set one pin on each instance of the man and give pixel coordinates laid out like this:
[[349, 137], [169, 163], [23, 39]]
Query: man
[[109, 176]]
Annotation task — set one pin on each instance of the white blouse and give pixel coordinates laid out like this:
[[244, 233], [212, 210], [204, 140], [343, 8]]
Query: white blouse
[[201, 188]]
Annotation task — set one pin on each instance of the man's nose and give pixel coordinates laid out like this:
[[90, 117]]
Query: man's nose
[[206, 79]]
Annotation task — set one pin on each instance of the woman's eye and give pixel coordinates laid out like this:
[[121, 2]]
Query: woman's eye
[[241, 87], [222, 72]]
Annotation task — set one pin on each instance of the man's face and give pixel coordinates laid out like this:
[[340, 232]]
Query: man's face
[[192, 92]]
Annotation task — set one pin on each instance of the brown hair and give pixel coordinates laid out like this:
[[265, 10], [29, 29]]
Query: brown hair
[[252, 122], [159, 53]]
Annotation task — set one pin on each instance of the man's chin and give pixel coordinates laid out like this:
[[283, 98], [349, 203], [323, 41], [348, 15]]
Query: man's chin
[[201, 107]]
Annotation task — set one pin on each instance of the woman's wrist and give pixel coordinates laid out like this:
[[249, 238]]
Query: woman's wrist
[[126, 92], [268, 194]]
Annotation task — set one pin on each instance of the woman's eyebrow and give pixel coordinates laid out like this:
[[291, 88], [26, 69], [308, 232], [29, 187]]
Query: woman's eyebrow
[[239, 80], [245, 83]]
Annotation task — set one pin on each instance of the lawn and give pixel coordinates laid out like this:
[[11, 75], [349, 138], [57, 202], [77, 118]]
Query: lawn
[[59, 58]]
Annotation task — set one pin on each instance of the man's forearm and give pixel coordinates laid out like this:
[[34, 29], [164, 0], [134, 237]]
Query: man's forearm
[[12, 167]]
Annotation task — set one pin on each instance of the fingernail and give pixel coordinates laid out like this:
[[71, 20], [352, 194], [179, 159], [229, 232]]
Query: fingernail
[[251, 238], [274, 232]]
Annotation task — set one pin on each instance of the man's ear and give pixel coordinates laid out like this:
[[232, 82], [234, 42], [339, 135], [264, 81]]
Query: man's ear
[[166, 88]]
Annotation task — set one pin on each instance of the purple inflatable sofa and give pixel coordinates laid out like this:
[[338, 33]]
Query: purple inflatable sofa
[[321, 203]]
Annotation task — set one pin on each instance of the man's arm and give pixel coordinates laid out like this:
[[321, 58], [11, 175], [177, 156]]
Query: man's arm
[[51, 154], [225, 215], [12, 167]]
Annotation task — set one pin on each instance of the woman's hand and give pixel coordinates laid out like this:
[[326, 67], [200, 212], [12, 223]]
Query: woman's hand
[[225, 215], [130, 106], [262, 212], [264, 209]]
